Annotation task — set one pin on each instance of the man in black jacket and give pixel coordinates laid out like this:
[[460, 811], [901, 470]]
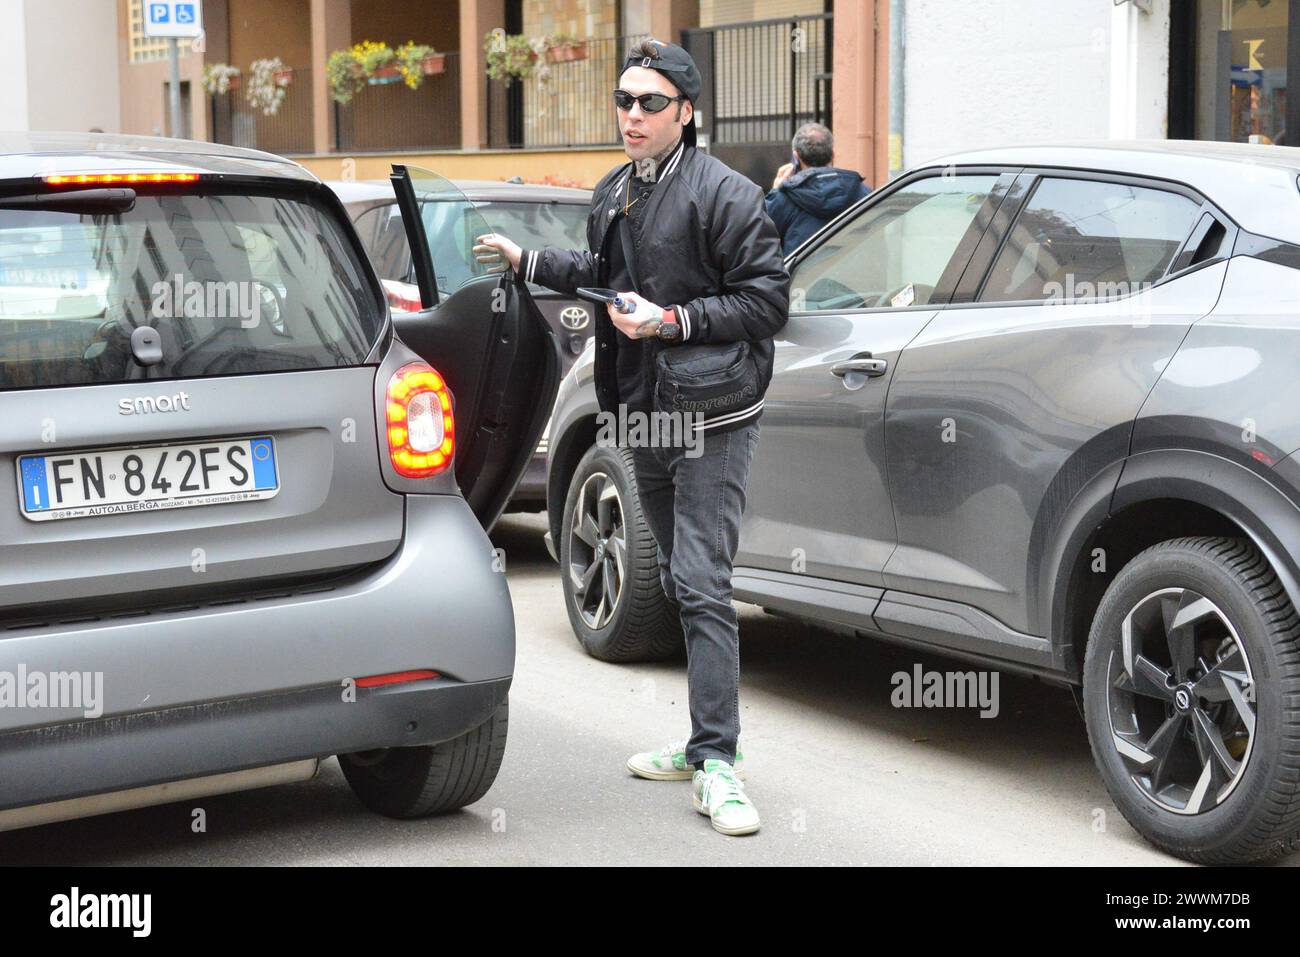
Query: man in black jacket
[[701, 261]]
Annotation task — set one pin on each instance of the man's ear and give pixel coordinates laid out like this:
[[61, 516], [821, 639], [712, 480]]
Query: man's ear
[[688, 110]]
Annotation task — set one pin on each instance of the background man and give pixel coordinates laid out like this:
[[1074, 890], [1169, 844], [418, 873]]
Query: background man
[[808, 192]]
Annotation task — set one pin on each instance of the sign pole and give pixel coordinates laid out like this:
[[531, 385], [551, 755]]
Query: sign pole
[[174, 97]]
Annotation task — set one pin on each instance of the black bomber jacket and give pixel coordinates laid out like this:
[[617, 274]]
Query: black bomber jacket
[[708, 249]]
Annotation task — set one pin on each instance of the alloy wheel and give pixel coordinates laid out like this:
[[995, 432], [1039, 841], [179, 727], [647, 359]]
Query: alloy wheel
[[597, 551], [1180, 695]]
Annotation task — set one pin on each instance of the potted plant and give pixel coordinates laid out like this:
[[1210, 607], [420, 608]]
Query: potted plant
[[515, 56], [565, 48], [416, 61], [284, 77], [220, 78], [378, 62], [264, 93], [345, 75]]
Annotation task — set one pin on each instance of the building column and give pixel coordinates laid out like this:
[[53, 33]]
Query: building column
[[331, 29], [1139, 69], [860, 87], [667, 19], [477, 18]]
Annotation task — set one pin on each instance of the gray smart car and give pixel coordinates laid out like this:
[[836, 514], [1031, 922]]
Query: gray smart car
[[246, 522], [1035, 408]]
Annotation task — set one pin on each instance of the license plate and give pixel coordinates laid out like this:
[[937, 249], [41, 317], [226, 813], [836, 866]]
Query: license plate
[[146, 479]]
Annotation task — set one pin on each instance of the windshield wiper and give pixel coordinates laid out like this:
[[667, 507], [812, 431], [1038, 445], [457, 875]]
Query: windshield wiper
[[77, 200]]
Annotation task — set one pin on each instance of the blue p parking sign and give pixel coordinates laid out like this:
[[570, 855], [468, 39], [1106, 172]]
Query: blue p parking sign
[[173, 18]]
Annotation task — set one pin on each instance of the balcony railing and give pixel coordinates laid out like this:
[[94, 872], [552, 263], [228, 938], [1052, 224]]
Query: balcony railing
[[573, 108], [392, 116], [235, 123]]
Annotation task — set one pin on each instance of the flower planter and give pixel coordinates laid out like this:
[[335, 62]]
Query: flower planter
[[232, 84], [432, 65], [282, 78], [566, 52], [385, 74]]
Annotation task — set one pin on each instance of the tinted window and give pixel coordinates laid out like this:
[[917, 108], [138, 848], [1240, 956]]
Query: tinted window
[[893, 253], [233, 283], [534, 225], [384, 237], [531, 225], [1078, 239]]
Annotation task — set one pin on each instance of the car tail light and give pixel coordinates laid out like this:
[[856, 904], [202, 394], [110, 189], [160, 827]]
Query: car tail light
[[402, 296], [421, 431], [396, 678], [118, 179]]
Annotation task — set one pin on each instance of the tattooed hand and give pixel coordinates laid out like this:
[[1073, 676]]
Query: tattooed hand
[[643, 322]]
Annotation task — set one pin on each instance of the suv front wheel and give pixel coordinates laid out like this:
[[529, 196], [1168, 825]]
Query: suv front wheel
[[609, 564], [1192, 698]]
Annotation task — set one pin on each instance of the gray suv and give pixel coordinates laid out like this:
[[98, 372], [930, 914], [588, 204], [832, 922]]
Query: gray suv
[[246, 523], [1035, 408]]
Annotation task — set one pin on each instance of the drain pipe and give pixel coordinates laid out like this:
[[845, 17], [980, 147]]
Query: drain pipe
[[897, 54]]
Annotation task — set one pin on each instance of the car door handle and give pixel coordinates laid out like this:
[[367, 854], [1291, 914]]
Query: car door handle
[[863, 364]]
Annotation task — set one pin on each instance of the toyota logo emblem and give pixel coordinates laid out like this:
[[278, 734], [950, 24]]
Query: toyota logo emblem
[[574, 317]]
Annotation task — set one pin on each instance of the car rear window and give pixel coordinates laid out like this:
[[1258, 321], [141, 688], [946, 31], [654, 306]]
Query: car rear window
[[534, 225], [235, 283], [531, 225]]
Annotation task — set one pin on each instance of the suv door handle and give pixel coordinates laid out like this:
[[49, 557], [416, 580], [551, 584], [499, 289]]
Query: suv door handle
[[862, 363]]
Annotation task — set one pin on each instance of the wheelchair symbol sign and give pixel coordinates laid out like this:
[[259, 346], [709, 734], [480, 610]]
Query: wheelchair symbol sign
[[173, 18]]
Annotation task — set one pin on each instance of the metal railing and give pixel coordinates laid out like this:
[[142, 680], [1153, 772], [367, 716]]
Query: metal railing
[[391, 116], [235, 123], [572, 107], [762, 80]]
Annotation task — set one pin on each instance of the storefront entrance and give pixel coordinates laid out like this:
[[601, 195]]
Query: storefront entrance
[[1229, 64]]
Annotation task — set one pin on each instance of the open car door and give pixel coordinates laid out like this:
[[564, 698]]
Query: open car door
[[483, 333]]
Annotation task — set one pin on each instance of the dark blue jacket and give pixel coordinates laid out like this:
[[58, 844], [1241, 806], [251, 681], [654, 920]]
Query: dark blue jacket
[[811, 198]]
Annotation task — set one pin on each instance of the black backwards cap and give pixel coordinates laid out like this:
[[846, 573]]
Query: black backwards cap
[[676, 64]]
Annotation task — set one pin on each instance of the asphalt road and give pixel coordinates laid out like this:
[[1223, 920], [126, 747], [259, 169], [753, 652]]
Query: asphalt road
[[839, 775]]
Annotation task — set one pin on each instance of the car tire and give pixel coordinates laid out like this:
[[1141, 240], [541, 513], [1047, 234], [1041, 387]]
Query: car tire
[[640, 624], [431, 779], [1191, 691]]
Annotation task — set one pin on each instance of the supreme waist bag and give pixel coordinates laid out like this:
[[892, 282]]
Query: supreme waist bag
[[710, 380]]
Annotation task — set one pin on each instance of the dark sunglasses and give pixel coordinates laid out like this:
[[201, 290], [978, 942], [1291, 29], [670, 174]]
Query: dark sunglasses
[[650, 102]]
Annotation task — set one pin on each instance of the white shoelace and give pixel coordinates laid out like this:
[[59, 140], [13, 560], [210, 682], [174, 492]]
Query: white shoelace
[[723, 784]]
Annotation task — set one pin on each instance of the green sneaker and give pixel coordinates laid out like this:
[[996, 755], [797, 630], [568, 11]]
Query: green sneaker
[[719, 794], [669, 763]]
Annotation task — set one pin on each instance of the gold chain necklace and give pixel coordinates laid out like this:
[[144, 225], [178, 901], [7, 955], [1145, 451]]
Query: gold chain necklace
[[626, 204]]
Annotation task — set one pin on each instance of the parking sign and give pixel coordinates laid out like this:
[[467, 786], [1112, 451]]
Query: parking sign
[[173, 18]]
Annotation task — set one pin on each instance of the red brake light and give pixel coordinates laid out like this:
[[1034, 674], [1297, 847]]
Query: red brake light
[[118, 179], [396, 678], [418, 417]]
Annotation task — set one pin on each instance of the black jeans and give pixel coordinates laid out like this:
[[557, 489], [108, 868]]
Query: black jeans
[[692, 504]]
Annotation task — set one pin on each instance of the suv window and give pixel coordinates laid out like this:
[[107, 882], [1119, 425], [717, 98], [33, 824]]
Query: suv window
[[894, 252], [1082, 239], [234, 284]]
